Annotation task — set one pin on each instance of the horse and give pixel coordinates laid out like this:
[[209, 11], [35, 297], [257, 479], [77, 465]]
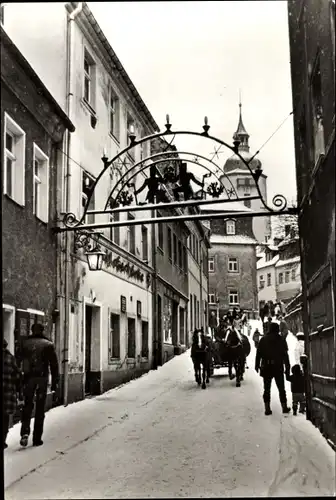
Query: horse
[[236, 352], [201, 355]]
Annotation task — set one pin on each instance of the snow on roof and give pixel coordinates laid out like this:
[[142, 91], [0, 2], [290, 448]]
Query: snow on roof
[[234, 239], [265, 263], [244, 171], [288, 261], [234, 206]]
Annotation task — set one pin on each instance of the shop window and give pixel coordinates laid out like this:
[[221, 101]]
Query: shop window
[[144, 339], [131, 338], [114, 338], [182, 326]]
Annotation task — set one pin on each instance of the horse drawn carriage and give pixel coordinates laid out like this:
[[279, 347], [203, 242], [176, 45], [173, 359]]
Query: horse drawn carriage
[[229, 348]]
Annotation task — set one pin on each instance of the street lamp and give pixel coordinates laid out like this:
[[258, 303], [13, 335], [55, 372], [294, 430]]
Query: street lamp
[[95, 259], [94, 254]]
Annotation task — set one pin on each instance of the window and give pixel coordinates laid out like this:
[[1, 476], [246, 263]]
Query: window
[[131, 338], [114, 347], [293, 274], [14, 171], [269, 279], [211, 298], [196, 249], [180, 256], [211, 265], [115, 231], [230, 227], [144, 339], [233, 298], [144, 241], [160, 233], [233, 265], [287, 274], [131, 235], [130, 131], [41, 184], [114, 107], [175, 249], [87, 184], [89, 79], [261, 282], [280, 278], [185, 259], [169, 243], [316, 90]]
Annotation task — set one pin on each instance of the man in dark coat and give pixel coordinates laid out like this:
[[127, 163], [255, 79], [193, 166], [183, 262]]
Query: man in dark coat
[[271, 357], [37, 356], [11, 388]]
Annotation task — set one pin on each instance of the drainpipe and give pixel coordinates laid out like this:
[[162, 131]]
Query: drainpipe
[[69, 110]]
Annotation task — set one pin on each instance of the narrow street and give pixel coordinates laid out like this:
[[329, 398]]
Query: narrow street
[[162, 436]]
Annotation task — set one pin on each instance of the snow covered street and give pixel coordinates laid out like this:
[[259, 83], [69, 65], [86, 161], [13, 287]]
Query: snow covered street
[[163, 436]]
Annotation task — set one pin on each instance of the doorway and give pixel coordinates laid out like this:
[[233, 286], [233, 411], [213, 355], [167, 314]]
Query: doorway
[[174, 324], [88, 348]]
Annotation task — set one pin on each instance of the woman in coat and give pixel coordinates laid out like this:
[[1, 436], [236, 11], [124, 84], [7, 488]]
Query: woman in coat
[[11, 388]]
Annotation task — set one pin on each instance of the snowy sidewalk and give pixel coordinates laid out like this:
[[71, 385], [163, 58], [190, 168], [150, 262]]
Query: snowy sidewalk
[[162, 436]]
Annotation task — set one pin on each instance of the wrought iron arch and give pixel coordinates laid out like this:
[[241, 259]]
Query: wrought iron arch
[[279, 201]]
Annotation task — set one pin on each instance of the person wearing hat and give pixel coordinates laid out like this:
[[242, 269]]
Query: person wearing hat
[[11, 388], [271, 358], [38, 355]]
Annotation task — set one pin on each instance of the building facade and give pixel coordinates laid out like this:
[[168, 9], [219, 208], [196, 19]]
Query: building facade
[[279, 271], [198, 250], [243, 183], [312, 54], [32, 130], [232, 263], [105, 333]]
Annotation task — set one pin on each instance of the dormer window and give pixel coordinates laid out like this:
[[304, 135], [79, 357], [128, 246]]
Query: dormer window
[[230, 227]]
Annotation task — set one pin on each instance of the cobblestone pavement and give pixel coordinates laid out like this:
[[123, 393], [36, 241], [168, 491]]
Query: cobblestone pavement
[[163, 436]]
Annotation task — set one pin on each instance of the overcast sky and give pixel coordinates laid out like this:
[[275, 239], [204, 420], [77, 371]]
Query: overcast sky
[[190, 59]]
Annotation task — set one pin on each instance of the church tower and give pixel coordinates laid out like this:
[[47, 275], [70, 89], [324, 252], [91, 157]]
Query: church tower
[[243, 182]]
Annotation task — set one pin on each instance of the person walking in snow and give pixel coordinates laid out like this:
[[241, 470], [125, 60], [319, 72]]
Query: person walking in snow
[[271, 357], [11, 388], [37, 355], [256, 337], [298, 389]]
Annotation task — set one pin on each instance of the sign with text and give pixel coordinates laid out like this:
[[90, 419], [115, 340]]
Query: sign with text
[[123, 303]]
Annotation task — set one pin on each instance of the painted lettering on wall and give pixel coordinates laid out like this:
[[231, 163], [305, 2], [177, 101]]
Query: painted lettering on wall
[[123, 267]]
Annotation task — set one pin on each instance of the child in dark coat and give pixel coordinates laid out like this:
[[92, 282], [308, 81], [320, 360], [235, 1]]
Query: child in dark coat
[[298, 389]]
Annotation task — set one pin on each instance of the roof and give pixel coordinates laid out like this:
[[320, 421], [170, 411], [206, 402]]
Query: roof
[[240, 129], [267, 263], [6, 41], [293, 260], [234, 206], [234, 239], [117, 63], [240, 170]]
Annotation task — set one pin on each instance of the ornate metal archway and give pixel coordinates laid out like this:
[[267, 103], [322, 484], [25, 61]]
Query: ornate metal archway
[[166, 186]]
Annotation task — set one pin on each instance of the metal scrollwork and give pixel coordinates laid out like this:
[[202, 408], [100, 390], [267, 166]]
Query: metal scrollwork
[[280, 202], [70, 220], [83, 240], [124, 198], [215, 189]]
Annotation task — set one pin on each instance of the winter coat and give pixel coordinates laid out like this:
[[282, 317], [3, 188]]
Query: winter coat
[[256, 336], [38, 355], [272, 354], [10, 381], [297, 383]]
